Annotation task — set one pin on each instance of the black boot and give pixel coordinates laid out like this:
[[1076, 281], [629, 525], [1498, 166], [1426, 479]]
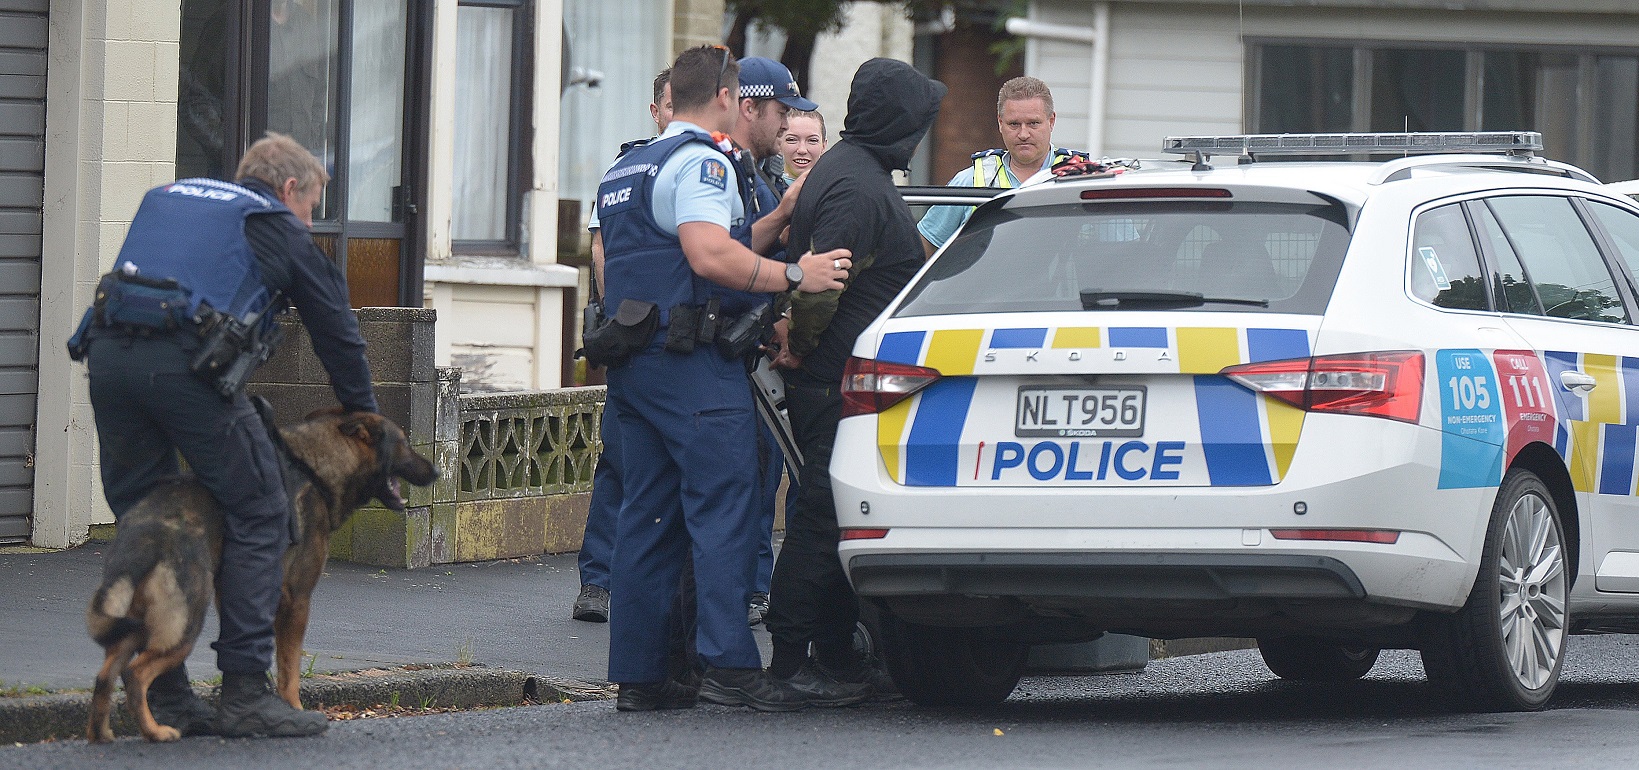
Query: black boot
[[173, 703], [249, 707]]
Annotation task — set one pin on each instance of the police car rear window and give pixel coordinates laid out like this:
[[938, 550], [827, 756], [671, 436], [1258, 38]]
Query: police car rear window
[[1260, 257]]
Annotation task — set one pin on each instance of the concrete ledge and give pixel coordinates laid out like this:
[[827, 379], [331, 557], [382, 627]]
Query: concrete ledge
[[63, 716]]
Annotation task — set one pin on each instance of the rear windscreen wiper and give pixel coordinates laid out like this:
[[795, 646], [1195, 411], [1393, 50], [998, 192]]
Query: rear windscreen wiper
[[1095, 299]]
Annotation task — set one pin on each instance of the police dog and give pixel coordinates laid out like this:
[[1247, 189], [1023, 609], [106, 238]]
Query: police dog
[[159, 571]]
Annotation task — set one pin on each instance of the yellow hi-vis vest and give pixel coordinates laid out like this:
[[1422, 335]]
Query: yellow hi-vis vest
[[990, 170]]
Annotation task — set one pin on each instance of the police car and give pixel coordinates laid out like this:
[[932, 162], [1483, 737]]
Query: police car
[[1337, 406]]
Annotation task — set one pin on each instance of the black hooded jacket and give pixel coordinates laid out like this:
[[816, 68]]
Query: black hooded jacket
[[849, 201]]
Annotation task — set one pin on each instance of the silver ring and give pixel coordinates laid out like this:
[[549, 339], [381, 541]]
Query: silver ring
[[836, 264]]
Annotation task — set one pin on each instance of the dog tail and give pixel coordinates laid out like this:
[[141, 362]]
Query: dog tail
[[106, 617]]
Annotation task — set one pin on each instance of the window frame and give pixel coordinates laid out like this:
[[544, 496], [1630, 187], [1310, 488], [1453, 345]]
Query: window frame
[[1581, 143], [520, 134]]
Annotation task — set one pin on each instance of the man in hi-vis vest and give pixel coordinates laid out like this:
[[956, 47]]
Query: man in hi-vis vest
[[1024, 116]]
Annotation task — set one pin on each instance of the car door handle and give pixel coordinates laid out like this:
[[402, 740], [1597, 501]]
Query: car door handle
[[1577, 381]]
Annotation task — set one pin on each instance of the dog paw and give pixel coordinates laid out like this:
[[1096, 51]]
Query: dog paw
[[165, 734], [104, 735]]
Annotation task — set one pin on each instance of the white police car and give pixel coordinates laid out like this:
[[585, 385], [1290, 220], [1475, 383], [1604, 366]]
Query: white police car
[[1336, 406]]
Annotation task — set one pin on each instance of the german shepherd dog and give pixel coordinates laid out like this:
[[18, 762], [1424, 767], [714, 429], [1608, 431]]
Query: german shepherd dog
[[160, 569]]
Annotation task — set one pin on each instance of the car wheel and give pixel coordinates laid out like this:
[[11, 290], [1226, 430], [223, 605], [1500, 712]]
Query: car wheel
[[936, 666], [1503, 650], [1308, 659]]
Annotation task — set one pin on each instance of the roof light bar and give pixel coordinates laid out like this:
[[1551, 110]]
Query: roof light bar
[[1500, 142]]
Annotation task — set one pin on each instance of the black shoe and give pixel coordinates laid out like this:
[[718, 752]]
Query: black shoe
[[173, 702], [868, 670], [250, 708], [667, 694], [824, 691], [758, 609], [592, 605], [751, 687]]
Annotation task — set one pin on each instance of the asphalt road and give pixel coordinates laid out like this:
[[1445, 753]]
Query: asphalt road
[[1222, 710]]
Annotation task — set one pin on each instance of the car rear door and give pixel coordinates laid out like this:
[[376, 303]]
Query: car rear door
[[1070, 353], [1577, 313]]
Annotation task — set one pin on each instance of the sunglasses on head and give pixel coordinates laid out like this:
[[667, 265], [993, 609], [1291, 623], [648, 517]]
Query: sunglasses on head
[[723, 70]]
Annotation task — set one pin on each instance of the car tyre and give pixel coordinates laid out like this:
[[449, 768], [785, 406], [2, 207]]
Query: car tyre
[[1503, 650], [935, 666], [1310, 659]]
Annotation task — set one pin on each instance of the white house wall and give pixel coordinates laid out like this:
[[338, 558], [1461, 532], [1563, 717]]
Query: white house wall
[[110, 135], [1178, 68]]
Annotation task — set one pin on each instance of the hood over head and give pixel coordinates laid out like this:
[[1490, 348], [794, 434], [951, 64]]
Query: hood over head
[[891, 106]]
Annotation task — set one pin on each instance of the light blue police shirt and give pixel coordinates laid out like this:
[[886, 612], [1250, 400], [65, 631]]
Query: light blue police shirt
[[941, 222]]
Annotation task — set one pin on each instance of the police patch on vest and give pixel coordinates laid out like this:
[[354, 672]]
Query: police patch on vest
[[714, 173]]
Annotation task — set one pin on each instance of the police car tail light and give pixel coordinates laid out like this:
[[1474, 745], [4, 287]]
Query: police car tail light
[[1384, 384], [864, 534], [870, 386]]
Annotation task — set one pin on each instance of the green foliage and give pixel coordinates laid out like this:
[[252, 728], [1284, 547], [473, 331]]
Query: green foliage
[[1008, 50]]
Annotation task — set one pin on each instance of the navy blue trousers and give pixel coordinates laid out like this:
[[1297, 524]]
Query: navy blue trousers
[[148, 407], [598, 543], [689, 479]]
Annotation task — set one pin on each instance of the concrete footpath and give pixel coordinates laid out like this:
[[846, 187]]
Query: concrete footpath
[[510, 616]]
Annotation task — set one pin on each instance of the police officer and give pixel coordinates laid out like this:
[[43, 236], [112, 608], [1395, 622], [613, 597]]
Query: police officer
[[598, 540], [674, 230], [241, 250], [1025, 118]]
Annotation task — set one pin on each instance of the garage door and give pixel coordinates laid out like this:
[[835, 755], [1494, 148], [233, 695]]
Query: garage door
[[22, 166]]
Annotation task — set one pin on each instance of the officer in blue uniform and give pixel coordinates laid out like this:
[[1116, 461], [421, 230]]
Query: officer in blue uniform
[[240, 250], [673, 216], [1025, 118]]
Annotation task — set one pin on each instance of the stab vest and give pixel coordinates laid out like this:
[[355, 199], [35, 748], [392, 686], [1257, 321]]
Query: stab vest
[[193, 231], [641, 260]]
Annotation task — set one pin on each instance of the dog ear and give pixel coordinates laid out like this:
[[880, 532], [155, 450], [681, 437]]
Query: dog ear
[[358, 428], [317, 413]]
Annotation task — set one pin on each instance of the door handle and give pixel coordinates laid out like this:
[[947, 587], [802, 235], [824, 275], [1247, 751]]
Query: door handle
[[1576, 381]]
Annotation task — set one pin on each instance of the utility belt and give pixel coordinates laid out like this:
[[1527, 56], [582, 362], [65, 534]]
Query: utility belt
[[133, 305], [612, 341]]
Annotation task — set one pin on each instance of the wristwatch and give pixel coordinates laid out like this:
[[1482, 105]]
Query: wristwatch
[[793, 276]]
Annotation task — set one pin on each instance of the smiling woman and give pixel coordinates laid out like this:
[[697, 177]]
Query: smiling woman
[[802, 143]]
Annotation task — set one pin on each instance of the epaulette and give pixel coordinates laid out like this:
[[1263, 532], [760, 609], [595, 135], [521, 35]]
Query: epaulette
[[987, 153], [1065, 152]]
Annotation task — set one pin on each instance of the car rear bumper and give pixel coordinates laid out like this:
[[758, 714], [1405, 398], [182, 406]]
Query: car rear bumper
[[1109, 576]]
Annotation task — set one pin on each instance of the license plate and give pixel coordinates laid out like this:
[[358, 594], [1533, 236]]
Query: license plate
[[1071, 412]]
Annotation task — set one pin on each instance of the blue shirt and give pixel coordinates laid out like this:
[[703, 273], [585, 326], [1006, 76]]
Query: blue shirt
[[696, 184], [941, 222]]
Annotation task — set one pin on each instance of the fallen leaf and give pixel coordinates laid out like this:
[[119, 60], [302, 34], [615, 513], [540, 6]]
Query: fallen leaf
[[998, 731]]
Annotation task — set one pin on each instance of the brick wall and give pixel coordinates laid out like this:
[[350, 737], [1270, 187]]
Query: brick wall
[[967, 117]]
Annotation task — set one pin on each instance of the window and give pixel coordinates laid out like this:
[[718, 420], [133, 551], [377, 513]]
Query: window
[[1559, 255], [1251, 257], [1512, 285], [347, 79], [491, 98], [1301, 86], [1445, 270], [1623, 227]]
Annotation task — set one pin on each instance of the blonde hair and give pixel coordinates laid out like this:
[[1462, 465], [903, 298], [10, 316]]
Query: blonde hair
[[1024, 88], [276, 157]]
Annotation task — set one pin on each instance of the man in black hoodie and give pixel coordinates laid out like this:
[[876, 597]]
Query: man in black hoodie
[[847, 201]]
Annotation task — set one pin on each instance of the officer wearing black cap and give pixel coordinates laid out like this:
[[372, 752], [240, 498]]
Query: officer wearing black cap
[[202, 254]]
